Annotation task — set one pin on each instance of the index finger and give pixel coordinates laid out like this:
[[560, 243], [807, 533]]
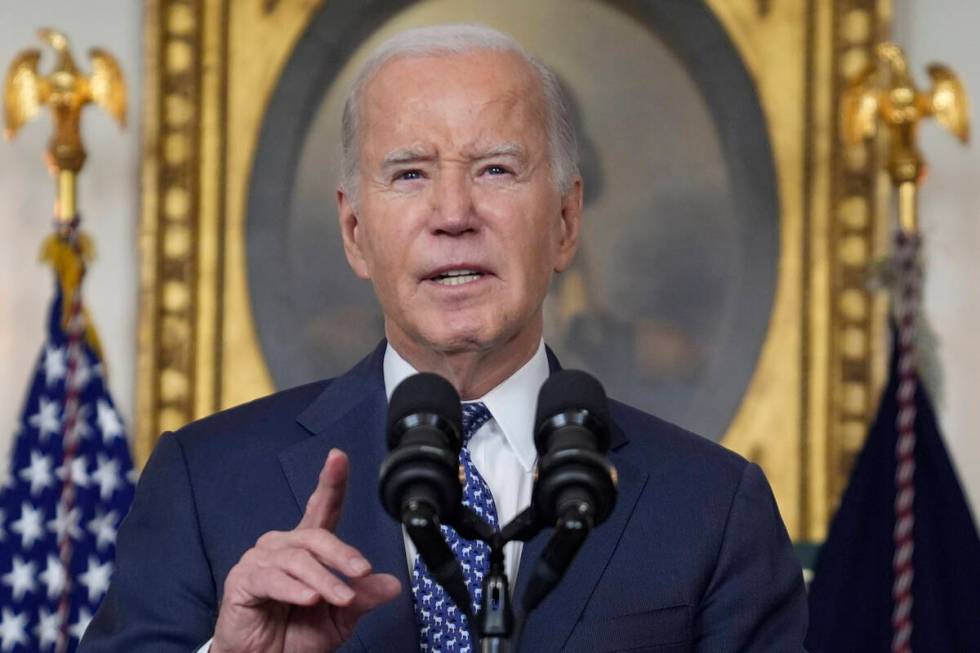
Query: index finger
[[325, 504]]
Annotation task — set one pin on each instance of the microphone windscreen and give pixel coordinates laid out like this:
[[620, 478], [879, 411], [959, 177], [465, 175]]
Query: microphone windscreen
[[571, 390], [424, 393]]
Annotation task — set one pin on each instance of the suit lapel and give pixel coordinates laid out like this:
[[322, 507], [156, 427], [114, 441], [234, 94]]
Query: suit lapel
[[349, 415], [550, 625]]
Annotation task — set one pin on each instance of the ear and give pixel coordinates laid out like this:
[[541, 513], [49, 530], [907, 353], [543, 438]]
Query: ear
[[571, 224], [351, 233]]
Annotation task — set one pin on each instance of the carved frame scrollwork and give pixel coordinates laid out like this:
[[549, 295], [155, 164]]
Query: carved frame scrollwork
[[859, 229]]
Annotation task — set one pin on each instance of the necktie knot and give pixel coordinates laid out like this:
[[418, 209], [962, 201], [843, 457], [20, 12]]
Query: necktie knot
[[475, 415]]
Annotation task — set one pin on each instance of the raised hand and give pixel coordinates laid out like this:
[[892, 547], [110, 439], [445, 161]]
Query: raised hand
[[286, 593]]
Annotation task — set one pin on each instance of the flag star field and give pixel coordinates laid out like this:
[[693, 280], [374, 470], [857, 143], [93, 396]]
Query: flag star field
[[33, 577]]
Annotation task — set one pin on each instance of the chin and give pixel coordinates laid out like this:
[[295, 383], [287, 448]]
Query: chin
[[453, 334], [460, 340]]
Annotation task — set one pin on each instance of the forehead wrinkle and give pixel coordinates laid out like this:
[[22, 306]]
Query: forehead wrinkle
[[518, 104], [523, 102], [520, 101]]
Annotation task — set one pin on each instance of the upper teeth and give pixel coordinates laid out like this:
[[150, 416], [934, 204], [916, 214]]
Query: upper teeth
[[457, 277]]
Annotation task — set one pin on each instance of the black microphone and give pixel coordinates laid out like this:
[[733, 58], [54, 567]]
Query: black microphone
[[420, 482], [423, 430], [575, 489]]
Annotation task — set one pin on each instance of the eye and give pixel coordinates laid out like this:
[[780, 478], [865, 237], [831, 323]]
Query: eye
[[496, 169], [408, 175]]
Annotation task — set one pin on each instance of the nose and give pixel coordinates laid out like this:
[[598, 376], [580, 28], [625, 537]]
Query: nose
[[453, 209]]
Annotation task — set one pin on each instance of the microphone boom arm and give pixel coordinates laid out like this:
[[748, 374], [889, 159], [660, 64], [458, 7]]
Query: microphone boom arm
[[574, 525], [422, 527]]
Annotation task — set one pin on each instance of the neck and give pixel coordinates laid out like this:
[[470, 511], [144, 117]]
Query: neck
[[473, 371]]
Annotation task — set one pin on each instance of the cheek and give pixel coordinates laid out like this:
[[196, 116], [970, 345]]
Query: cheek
[[384, 246], [535, 252], [531, 222], [544, 239]]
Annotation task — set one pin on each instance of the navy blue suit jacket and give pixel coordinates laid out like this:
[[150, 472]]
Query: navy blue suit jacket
[[694, 557]]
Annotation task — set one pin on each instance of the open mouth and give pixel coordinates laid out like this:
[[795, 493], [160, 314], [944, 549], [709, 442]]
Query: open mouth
[[456, 277]]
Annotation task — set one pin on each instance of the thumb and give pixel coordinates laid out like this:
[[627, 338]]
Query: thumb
[[369, 593]]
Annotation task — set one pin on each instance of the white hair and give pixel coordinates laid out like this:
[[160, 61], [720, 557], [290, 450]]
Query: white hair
[[454, 39]]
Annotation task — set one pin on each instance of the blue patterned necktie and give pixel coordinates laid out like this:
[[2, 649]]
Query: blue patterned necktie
[[442, 627]]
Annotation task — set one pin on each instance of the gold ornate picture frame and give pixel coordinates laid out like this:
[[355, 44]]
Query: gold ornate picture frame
[[212, 67]]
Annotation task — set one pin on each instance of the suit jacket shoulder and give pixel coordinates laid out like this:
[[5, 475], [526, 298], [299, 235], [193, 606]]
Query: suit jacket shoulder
[[654, 440], [262, 426], [694, 557]]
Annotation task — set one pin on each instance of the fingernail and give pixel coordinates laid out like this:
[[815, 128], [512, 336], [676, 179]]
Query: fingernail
[[359, 565], [344, 593]]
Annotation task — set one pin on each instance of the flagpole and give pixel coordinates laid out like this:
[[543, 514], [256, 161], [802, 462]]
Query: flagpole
[[66, 204], [905, 170], [907, 254], [908, 209], [65, 92], [885, 95]]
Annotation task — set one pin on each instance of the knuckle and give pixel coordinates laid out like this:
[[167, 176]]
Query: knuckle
[[343, 549], [305, 536], [318, 540], [268, 539], [250, 560], [237, 575], [296, 558], [331, 548], [327, 539]]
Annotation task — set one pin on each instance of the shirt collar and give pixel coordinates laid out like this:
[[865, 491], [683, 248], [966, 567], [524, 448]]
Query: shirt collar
[[512, 403]]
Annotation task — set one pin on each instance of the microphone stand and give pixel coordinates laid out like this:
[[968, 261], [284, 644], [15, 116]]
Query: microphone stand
[[498, 627], [495, 626], [496, 615], [492, 628]]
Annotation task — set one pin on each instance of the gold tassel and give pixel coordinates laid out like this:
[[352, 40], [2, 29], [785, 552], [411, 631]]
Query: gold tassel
[[68, 262]]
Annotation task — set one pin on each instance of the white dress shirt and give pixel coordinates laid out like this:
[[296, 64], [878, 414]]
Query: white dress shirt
[[502, 450]]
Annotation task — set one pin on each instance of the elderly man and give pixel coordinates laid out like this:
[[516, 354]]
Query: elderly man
[[460, 200]]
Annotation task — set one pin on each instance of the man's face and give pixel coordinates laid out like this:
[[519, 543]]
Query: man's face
[[458, 221]]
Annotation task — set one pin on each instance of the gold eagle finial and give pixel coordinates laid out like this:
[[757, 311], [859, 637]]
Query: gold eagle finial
[[889, 96], [64, 91]]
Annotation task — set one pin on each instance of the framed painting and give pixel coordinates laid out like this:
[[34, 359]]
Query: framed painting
[[721, 283]]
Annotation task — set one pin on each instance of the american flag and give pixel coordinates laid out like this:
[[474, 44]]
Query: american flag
[[58, 514]]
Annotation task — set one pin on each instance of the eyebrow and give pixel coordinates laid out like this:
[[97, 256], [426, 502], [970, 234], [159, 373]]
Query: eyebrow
[[406, 155], [502, 149]]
